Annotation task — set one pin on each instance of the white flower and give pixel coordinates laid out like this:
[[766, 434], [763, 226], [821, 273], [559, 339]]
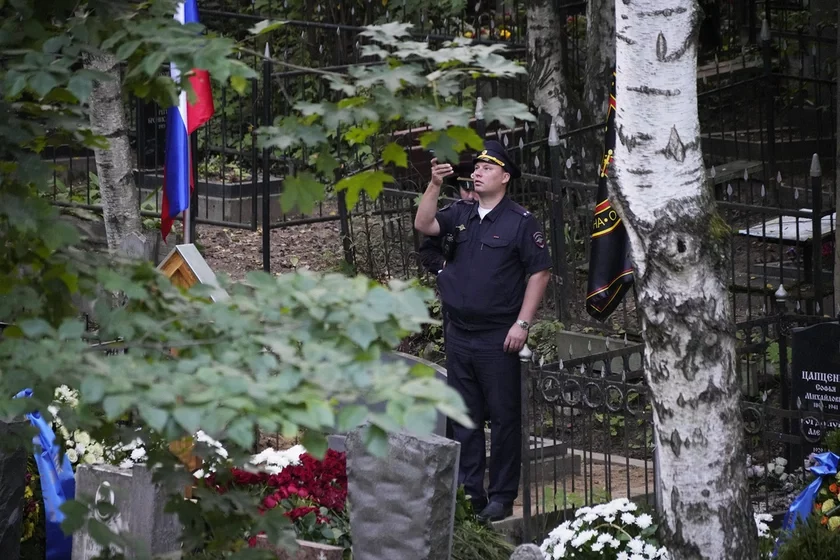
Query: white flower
[[627, 518], [274, 461], [636, 545], [582, 538], [637, 557], [90, 459], [126, 464], [644, 521], [615, 543], [604, 537], [597, 547], [138, 454], [590, 517], [82, 437], [622, 556], [72, 455], [650, 551]]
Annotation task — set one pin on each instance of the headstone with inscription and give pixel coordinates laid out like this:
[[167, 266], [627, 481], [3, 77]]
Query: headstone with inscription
[[151, 134], [815, 379], [138, 513]]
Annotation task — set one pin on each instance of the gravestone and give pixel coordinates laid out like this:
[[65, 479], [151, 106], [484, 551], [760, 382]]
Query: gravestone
[[403, 504], [815, 378], [337, 441], [139, 505], [152, 119], [136, 247], [527, 552], [12, 484]]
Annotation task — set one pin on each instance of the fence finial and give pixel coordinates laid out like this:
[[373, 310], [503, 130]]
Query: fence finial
[[816, 170], [781, 294], [525, 354], [553, 136], [267, 50], [765, 30], [479, 108]]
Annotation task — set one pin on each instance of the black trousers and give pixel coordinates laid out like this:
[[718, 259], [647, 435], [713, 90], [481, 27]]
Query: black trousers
[[488, 379]]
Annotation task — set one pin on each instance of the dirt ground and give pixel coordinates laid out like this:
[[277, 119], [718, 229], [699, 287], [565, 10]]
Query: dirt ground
[[236, 252]]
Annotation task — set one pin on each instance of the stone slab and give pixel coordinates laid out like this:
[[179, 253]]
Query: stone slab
[[307, 550]]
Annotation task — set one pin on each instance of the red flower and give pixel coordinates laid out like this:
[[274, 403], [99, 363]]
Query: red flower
[[297, 513]]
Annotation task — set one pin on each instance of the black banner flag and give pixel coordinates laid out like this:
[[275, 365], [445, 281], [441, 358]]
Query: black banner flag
[[610, 269]]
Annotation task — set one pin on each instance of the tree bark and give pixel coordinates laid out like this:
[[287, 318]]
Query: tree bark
[[120, 199], [546, 81], [678, 249], [600, 62]]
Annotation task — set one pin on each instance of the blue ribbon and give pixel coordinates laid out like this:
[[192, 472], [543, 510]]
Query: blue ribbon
[[803, 505], [57, 484]]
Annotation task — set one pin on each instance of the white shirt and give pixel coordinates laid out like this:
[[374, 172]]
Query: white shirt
[[483, 212]]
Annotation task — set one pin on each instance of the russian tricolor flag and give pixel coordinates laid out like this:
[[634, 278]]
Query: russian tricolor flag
[[181, 121]]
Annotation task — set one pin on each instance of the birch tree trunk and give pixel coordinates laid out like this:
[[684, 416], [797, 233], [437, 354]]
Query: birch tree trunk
[[120, 199], [546, 81], [678, 248]]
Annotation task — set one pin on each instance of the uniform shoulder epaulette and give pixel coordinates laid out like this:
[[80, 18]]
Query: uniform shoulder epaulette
[[519, 210]]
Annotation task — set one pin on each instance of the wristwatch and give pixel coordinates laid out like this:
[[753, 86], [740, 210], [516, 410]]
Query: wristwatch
[[523, 324]]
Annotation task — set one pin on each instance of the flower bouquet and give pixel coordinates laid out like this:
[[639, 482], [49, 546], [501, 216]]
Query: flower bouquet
[[614, 531]]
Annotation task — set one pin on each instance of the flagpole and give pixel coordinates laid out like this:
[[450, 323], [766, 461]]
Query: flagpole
[[187, 225]]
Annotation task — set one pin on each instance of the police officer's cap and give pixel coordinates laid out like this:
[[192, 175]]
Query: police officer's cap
[[494, 152], [462, 176]]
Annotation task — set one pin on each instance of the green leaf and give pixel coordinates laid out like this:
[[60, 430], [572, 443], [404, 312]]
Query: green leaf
[[152, 62], [188, 417], [71, 329], [42, 83], [266, 26], [421, 418], [80, 87], [302, 192], [394, 153], [116, 405], [465, 137], [92, 389], [75, 514], [35, 328], [507, 111], [100, 532], [127, 49], [326, 164], [315, 443], [15, 83], [371, 181], [375, 440], [155, 417], [239, 84], [351, 416], [362, 333], [109, 43], [241, 432], [444, 146]]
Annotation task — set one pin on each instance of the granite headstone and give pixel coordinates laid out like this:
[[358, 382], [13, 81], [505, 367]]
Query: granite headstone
[[403, 504], [139, 505], [12, 485], [815, 378]]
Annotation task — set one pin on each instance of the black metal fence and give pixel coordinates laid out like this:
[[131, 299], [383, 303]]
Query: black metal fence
[[767, 102], [588, 426]]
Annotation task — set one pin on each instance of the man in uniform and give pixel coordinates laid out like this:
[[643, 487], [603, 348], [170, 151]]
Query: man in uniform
[[490, 305]]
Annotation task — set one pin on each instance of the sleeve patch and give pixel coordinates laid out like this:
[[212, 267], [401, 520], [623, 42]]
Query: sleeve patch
[[539, 239]]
